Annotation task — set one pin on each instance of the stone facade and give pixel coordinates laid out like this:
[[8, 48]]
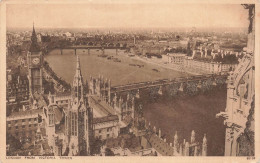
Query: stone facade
[[240, 95], [204, 67]]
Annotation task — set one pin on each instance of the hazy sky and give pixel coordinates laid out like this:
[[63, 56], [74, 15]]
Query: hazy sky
[[127, 15]]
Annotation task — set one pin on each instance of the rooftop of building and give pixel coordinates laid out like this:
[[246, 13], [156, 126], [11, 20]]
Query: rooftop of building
[[57, 112], [32, 113], [40, 99], [101, 108], [105, 119], [160, 145], [63, 93], [229, 58], [131, 142]]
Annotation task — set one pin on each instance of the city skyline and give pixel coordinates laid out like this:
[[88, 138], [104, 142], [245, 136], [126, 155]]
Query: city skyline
[[139, 15]]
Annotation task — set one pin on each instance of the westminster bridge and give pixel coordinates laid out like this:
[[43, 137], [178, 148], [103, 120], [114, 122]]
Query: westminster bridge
[[164, 87]]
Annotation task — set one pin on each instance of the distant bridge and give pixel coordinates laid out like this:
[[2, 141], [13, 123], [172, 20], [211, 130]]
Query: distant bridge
[[88, 48], [93, 47], [188, 84], [169, 87]]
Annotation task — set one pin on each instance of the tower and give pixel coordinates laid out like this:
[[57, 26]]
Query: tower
[[240, 95], [35, 60], [77, 118], [175, 143], [77, 86], [204, 146]]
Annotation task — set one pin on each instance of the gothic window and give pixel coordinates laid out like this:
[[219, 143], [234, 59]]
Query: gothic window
[[51, 119], [79, 94], [75, 91], [74, 124]]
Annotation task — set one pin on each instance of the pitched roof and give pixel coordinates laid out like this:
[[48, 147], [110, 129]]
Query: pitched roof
[[159, 145], [105, 119], [29, 113]]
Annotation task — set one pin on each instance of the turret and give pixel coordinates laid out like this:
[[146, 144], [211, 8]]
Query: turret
[[51, 98], [181, 88], [187, 149], [193, 53], [206, 52], [204, 146], [154, 129], [128, 96], [120, 102], [160, 92], [196, 150], [175, 142], [137, 94], [34, 45], [133, 107], [192, 139], [181, 151], [109, 91], [159, 133]]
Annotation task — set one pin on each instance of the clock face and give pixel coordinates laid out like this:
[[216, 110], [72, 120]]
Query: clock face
[[36, 61]]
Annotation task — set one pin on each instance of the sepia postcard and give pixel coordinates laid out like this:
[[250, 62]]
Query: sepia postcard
[[175, 81]]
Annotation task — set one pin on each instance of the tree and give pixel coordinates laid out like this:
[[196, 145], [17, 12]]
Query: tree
[[14, 144], [96, 146], [109, 152]]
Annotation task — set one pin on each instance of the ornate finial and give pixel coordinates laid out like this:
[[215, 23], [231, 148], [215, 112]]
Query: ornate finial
[[192, 140], [204, 139], [176, 136], [159, 133], [154, 129], [192, 133]]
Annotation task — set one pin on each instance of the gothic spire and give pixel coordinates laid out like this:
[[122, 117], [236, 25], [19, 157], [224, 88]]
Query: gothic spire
[[34, 45], [78, 81], [78, 69]]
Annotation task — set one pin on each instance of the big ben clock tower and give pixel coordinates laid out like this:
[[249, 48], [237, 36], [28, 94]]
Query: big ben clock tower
[[35, 60]]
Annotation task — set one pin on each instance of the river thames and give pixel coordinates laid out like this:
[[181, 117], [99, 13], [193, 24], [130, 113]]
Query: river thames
[[119, 73], [182, 114]]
